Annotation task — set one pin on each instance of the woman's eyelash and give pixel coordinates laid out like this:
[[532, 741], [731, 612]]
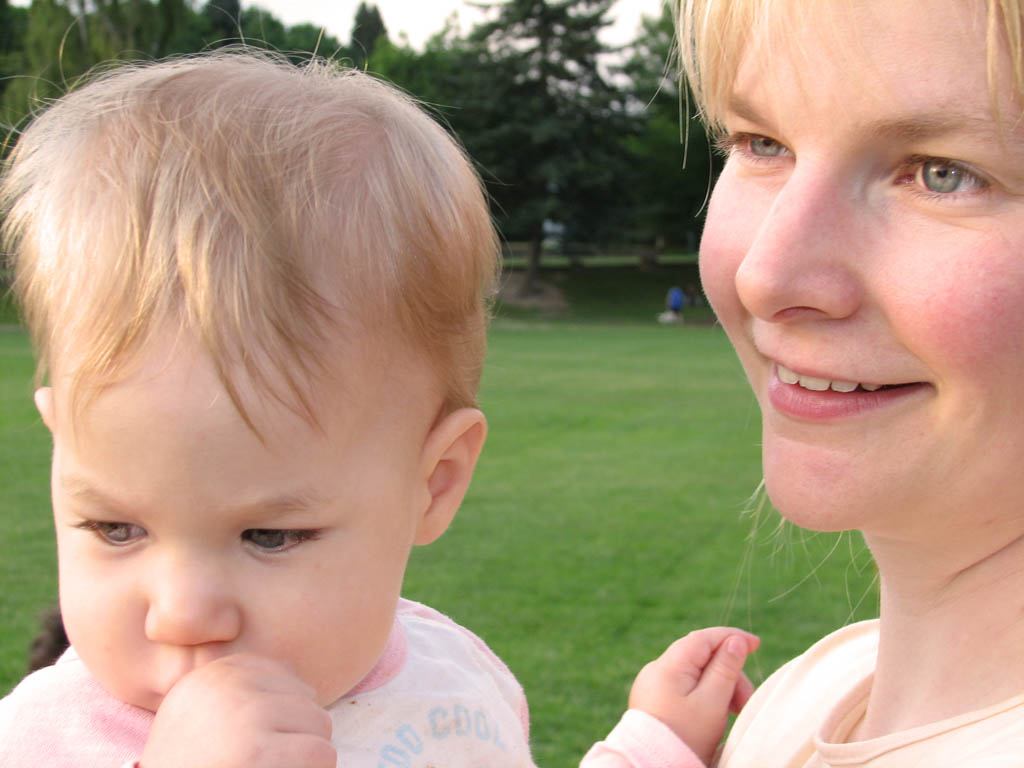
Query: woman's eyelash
[[725, 143], [754, 147], [961, 178], [918, 172]]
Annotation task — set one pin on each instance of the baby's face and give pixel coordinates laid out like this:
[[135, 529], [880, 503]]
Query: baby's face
[[183, 537]]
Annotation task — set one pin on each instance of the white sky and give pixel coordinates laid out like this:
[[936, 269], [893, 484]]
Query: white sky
[[420, 19]]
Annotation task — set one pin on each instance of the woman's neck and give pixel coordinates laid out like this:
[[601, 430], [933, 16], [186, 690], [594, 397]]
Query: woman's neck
[[951, 631]]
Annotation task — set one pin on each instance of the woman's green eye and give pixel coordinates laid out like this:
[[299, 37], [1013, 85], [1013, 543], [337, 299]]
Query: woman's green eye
[[944, 177], [765, 147]]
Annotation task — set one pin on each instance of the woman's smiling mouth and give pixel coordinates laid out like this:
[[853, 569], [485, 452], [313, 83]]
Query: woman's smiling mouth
[[819, 399], [816, 384]]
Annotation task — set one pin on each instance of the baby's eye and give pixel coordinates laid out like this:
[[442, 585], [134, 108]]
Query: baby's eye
[[945, 177], [118, 534], [276, 540]]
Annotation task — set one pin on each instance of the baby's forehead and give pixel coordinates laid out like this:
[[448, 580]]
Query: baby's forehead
[[351, 373]]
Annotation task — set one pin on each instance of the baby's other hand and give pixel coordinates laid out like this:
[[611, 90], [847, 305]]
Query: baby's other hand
[[695, 684], [240, 710]]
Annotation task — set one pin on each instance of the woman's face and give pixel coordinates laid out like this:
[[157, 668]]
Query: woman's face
[[864, 250]]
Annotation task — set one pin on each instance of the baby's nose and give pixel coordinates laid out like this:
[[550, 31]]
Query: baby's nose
[[188, 605]]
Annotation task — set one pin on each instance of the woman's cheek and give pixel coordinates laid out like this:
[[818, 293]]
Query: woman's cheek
[[728, 234]]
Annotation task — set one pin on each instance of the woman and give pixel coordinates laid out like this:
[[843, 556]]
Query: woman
[[864, 251]]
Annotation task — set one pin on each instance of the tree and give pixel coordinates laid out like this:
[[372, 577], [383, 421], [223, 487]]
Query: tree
[[670, 208], [172, 26], [368, 31], [553, 140], [260, 28], [222, 21], [13, 63], [46, 47], [309, 38], [52, 56]]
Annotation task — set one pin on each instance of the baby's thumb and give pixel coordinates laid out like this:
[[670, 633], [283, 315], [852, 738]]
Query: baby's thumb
[[722, 674]]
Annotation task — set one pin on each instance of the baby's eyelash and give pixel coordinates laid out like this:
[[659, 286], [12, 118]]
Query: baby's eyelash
[[114, 533], [278, 540]]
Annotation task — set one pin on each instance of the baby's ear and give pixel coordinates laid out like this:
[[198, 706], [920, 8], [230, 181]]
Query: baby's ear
[[448, 459], [44, 404]]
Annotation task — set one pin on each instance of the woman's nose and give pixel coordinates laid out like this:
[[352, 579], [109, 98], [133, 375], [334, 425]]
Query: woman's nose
[[803, 260], [191, 603]]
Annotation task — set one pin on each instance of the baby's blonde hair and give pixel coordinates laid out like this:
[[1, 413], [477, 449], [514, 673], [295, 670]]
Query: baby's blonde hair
[[713, 34], [266, 208]]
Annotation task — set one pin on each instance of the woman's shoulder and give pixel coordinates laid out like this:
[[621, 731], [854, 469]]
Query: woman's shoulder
[[798, 697], [845, 656], [854, 644]]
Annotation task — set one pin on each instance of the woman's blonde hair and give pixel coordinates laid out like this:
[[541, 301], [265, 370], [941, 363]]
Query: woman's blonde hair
[[713, 34], [266, 208]]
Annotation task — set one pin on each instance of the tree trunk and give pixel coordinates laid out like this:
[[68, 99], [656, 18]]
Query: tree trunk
[[651, 257], [529, 286]]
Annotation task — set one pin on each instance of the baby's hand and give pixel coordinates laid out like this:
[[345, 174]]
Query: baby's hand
[[695, 684], [240, 710]]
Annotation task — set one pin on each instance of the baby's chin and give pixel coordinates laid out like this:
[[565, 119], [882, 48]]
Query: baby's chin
[[329, 692], [356, 679], [142, 692], [136, 695]]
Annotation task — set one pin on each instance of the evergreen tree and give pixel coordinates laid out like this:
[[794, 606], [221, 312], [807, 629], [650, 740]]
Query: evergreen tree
[[368, 31], [222, 20], [555, 141], [173, 26], [13, 61], [671, 199]]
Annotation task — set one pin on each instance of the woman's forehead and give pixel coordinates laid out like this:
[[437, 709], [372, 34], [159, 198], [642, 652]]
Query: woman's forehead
[[877, 62], [782, 43]]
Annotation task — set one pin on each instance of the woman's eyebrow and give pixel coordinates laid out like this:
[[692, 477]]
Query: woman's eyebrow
[[742, 108], [932, 124]]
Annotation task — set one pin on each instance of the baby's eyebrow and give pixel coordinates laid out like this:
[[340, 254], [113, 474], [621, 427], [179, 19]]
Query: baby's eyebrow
[[83, 490], [275, 505], [281, 505]]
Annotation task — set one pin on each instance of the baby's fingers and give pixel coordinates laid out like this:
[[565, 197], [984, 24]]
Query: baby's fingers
[[722, 683], [740, 697], [300, 751]]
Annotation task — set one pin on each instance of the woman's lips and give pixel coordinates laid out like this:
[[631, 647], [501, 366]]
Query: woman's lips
[[817, 399]]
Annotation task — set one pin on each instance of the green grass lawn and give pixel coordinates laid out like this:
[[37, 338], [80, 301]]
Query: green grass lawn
[[606, 517]]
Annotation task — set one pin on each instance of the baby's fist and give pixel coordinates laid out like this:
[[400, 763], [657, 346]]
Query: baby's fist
[[240, 710], [695, 684]]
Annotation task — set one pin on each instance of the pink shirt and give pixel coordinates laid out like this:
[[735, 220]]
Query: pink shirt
[[641, 741], [437, 693]]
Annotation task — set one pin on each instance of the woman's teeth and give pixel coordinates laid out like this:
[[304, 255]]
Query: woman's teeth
[[820, 385]]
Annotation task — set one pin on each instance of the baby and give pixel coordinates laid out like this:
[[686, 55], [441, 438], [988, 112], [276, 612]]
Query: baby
[[259, 295]]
